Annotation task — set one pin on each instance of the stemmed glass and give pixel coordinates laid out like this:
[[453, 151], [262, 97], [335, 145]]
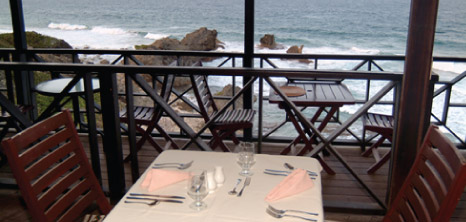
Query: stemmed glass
[[197, 190], [246, 158]]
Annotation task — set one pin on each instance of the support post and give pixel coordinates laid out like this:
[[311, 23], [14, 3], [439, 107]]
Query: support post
[[414, 101], [248, 59], [23, 79], [112, 136]]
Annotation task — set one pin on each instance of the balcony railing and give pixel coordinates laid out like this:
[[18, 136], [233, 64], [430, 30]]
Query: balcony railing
[[380, 89]]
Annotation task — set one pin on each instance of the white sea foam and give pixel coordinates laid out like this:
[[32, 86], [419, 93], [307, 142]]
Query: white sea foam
[[155, 36], [364, 51], [108, 31], [66, 26]]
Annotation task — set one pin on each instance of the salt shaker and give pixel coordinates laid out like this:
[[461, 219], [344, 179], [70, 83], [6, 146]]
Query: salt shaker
[[219, 175], [211, 184]]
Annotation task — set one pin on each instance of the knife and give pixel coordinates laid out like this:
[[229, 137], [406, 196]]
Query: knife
[[288, 172], [153, 199], [283, 174], [157, 195]]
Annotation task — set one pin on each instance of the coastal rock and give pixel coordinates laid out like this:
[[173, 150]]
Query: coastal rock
[[298, 50], [202, 39], [228, 91], [295, 49], [268, 41]]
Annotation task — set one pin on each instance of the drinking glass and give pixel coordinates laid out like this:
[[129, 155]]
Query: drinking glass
[[197, 190], [246, 158]]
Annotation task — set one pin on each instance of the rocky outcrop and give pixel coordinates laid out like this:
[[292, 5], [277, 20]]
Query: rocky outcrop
[[298, 50], [268, 41], [202, 39], [36, 40]]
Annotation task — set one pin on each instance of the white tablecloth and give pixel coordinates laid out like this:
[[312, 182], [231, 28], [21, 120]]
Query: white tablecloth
[[221, 206]]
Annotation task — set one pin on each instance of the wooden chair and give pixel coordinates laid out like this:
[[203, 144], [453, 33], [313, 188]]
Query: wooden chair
[[8, 123], [434, 184], [227, 123], [383, 125], [149, 117], [52, 170]]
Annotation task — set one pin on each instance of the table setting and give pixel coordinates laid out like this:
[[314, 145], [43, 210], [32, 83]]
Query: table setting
[[215, 186]]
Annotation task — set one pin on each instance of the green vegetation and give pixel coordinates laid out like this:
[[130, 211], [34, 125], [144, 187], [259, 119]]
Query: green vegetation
[[34, 40]]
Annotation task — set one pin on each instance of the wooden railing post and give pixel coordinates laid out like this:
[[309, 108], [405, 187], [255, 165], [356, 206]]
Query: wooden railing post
[[112, 136], [248, 59], [414, 104], [23, 79]]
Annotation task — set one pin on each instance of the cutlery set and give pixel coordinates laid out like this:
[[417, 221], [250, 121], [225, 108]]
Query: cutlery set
[[180, 166], [290, 168], [152, 199], [278, 214]]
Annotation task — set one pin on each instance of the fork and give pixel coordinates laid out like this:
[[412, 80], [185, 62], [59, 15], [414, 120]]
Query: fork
[[246, 183], [296, 211], [180, 166], [152, 203], [277, 215]]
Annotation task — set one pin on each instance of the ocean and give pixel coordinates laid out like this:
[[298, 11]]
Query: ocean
[[375, 27]]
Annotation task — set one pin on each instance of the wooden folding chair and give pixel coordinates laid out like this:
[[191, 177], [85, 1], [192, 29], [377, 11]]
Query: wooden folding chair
[[227, 123], [434, 184], [149, 117], [383, 125], [52, 170]]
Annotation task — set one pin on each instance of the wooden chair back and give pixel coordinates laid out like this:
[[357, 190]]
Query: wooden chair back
[[435, 183], [203, 96], [52, 170]]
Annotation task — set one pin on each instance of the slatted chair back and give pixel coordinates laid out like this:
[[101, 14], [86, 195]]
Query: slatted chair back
[[203, 96], [435, 183], [52, 170]]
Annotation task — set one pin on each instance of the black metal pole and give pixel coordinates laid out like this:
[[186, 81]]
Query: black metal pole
[[248, 59]]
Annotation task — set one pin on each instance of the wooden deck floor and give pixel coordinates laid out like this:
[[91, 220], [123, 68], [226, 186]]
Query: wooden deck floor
[[344, 198]]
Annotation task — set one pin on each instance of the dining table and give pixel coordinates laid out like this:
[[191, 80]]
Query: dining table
[[222, 206], [326, 96]]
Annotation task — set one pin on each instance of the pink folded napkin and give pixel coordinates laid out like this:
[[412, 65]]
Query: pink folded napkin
[[297, 182], [158, 178]]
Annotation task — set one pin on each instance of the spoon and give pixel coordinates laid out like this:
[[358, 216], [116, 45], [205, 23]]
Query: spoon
[[233, 192]]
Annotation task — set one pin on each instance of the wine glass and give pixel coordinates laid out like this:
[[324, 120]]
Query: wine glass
[[197, 190], [246, 158]]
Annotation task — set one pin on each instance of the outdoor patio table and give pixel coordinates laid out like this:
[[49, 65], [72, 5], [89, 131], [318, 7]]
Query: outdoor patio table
[[324, 95], [221, 206], [55, 87]]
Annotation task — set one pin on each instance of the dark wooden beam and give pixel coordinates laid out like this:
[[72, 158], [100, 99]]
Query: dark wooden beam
[[23, 79], [248, 59], [112, 136], [414, 99]]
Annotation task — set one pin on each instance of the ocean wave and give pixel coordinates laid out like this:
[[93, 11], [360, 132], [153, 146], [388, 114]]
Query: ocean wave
[[66, 26], [108, 31], [365, 51], [155, 36]]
